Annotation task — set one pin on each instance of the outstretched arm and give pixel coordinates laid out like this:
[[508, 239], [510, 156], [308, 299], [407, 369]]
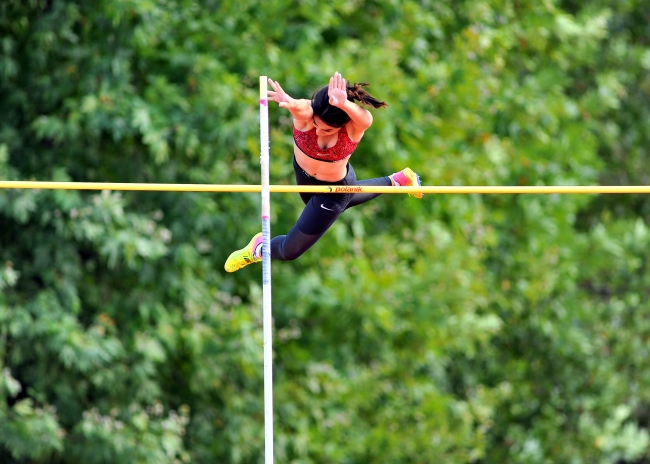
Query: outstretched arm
[[300, 109], [361, 117]]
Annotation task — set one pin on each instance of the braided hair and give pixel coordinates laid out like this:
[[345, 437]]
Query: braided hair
[[336, 117]]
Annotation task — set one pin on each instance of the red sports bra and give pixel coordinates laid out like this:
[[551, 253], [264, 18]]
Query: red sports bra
[[307, 141]]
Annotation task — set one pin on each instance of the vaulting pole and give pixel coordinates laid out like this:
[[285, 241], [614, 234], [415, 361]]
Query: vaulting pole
[[267, 319]]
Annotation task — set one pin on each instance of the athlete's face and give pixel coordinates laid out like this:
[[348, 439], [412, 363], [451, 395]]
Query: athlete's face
[[322, 129]]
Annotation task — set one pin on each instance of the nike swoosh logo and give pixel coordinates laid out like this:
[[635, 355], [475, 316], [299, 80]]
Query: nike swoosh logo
[[323, 206]]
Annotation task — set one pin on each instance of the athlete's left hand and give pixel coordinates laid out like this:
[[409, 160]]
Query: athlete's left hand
[[337, 91]]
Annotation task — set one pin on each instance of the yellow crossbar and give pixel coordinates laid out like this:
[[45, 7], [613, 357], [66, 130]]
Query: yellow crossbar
[[588, 189]]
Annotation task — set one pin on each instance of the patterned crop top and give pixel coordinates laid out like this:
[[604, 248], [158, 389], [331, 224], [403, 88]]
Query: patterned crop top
[[307, 141]]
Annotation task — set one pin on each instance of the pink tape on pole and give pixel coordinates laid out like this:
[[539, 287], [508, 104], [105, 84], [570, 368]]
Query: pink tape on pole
[[264, 102]]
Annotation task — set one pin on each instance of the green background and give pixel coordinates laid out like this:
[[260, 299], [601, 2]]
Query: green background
[[452, 329]]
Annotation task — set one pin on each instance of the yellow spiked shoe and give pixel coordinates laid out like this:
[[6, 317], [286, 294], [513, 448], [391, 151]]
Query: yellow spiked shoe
[[245, 256]]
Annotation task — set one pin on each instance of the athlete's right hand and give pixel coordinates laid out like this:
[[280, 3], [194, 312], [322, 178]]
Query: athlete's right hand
[[280, 96]]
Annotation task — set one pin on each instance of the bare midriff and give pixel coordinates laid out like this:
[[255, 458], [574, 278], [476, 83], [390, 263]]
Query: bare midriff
[[321, 170]]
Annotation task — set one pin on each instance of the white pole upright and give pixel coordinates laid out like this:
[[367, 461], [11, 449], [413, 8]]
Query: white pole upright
[[267, 319]]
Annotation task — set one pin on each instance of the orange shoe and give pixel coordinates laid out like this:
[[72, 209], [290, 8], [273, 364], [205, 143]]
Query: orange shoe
[[407, 178]]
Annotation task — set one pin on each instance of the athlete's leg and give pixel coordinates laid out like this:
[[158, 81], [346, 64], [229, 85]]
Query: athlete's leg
[[360, 198], [321, 211], [405, 178]]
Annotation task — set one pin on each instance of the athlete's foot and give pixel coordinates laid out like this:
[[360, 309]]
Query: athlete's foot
[[251, 253], [407, 178]]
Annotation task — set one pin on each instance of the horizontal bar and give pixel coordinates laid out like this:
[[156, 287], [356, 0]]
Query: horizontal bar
[[568, 189]]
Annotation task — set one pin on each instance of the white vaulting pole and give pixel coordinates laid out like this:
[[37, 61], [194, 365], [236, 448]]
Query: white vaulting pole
[[267, 319]]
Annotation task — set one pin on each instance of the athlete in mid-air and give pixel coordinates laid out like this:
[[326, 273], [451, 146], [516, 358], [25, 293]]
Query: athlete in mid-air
[[326, 130]]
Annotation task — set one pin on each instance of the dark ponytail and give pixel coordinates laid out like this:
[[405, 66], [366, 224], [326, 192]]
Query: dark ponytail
[[336, 117], [357, 92]]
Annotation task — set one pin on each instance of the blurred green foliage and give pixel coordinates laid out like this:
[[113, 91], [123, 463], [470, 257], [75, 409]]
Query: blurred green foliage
[[456, 329]]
